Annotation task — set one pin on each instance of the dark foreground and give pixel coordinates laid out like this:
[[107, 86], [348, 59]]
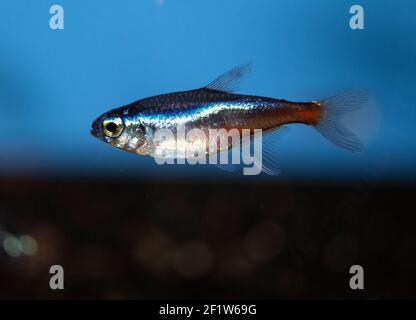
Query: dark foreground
[[125, 239]]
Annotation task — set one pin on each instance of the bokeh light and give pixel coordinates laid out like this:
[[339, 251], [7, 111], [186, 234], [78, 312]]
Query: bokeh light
[[12, 246], [28, 245]]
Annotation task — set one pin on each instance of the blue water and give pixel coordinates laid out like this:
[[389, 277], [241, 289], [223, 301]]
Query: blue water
[[54, 83]]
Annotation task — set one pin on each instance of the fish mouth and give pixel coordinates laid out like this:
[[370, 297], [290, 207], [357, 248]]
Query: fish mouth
[[93, 133], [96, 130]]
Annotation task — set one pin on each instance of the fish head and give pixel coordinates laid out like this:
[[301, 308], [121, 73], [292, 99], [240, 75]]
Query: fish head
[[120, 131]]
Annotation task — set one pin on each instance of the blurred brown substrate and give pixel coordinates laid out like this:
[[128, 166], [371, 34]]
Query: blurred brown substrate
[[126, 239]]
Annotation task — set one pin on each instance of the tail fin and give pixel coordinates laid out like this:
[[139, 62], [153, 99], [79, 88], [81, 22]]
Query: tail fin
[[329, 124]]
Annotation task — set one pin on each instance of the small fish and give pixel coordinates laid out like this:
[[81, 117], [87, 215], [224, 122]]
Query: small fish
[[217, 106]]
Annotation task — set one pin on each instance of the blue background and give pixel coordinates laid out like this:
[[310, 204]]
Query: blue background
[[53, 84]]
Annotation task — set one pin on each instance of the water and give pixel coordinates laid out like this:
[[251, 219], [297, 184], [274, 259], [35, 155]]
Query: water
[[54, 83]]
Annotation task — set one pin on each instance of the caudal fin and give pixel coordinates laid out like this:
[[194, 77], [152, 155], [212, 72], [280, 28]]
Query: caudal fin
[[329, 123]]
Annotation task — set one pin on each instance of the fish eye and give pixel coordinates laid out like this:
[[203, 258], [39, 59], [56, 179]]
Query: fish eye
[[113, 126]]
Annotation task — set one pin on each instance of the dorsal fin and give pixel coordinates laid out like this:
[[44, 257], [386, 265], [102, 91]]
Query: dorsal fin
[[231, 80]]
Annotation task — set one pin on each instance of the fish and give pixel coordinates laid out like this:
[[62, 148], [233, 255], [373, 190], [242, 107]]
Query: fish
[[217, 106]]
